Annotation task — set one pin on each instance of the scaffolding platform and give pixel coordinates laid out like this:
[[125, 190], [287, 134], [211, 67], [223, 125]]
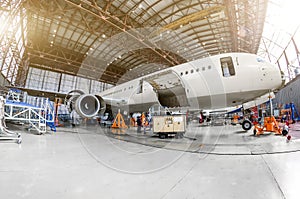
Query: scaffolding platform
[[6, 134], [38, 117]]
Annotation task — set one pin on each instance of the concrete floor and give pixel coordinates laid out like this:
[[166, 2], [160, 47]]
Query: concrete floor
[[89, 162]]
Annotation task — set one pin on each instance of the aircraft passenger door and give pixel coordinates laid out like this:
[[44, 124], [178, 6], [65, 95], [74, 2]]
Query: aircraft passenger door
[[140, 87], [227, 66]]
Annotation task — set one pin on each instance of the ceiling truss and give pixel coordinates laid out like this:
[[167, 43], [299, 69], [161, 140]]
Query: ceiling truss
[[116, 41]]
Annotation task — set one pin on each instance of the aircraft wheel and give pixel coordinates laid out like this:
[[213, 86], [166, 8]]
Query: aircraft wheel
[[162, 136], [284, 132], [246, 125]]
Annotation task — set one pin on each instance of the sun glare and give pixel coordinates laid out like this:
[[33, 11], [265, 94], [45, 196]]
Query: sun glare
[[284, 14]]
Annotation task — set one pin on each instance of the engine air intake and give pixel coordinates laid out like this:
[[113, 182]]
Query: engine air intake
[[87, 106]]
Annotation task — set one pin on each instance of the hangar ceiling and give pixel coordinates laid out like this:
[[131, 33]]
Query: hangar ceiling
[[118, 40]]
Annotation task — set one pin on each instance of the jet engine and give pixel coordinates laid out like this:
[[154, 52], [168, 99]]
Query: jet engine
[[86, 105]]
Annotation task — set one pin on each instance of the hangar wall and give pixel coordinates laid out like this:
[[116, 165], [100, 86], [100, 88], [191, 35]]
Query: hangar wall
[[57, 82], [290, 93]]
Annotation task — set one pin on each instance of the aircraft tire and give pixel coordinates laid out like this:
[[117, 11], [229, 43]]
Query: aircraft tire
[[284, 132], [19, 141], [162, 136], [246, 125]]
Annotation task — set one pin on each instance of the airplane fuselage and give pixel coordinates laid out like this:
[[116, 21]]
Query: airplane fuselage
[[213, 82]]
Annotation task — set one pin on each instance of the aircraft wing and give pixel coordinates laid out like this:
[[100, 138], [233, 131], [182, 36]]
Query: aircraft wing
[[52, 95], [47, 94], [169, 87]]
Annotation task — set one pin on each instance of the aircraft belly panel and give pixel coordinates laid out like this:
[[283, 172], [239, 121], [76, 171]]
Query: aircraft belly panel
[[227, 100]]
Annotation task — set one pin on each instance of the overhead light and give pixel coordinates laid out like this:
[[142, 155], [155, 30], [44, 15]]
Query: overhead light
[[140, 6], [103, 36]]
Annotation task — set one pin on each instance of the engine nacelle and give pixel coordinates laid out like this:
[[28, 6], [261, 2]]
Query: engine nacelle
[[88, 105]]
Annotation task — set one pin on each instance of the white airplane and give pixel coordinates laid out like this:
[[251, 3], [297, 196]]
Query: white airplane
[[214, 82]]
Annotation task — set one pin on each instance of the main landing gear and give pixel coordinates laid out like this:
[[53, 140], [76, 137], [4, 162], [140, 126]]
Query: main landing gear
[[246, 125]]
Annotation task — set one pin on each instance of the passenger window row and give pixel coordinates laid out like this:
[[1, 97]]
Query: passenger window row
[[118, 91], [192, 70], [130, 87]]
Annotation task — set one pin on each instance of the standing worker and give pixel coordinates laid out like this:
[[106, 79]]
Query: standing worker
[[139, 124]]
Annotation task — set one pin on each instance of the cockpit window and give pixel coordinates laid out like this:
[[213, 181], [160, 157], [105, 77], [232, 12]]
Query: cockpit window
[[227, 66]]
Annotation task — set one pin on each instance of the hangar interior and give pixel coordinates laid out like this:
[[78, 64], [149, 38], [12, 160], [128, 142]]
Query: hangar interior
[[49, 48]]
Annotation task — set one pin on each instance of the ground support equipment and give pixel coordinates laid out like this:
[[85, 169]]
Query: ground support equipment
[[6, 134], [270, 125]]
